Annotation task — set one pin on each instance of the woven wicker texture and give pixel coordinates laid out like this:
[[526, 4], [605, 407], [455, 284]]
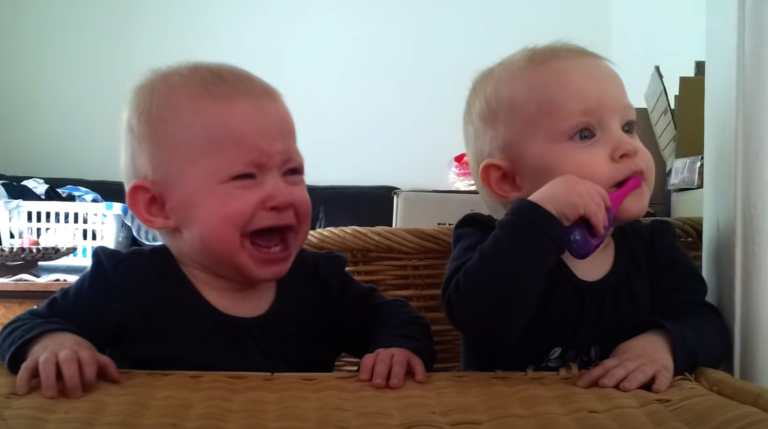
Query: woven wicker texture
[[410, 263], [448, 400]]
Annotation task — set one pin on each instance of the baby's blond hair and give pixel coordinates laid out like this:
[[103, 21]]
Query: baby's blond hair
[[213, 80], [488, 103]]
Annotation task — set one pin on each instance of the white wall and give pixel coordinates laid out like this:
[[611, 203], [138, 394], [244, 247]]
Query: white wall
[[667, 33], [735, 207], [377, 87], [720, 137]]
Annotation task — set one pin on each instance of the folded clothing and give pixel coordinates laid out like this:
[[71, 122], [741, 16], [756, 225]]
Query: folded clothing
[[37, 190], [142, 233]]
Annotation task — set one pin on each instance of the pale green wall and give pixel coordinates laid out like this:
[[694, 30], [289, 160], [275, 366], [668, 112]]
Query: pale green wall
[[376, 86]]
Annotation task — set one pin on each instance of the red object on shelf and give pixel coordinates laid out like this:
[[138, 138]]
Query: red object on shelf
[[461, 175], [461, 166], [29, 242]]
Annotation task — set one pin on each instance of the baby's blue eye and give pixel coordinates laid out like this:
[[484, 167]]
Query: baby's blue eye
[[584, 134], [629, 128]]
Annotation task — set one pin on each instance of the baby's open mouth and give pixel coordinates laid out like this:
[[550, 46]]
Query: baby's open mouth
[[623, 182], [618, 185], [274, 239]]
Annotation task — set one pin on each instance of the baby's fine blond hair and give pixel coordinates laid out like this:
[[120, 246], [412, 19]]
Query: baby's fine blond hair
[[489, 101], [214, 80]]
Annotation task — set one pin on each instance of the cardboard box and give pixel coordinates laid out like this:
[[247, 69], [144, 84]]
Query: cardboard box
[[645, 132], [660, 113], [679, 131], [698, 68], [424, 209], [689, 117]]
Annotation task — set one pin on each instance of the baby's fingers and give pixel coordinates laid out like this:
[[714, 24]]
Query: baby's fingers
[[418, 369], [89, 368], [604, 197], [619, 373], [597, 217], [639, 377], [662, 380], [29, 370], [398, 370], [108, 369], [591, 377], [70, 373], [381, 370], [49, 383], [365, 371]]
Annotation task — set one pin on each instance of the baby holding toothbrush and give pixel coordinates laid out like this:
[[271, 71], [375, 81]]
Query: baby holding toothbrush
[[550, 135]]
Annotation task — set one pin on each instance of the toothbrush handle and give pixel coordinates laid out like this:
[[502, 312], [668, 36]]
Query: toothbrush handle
[[580, 240]]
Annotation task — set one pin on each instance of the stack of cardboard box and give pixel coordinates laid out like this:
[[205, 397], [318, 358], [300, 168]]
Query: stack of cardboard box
[[645, 130], [679, 134]]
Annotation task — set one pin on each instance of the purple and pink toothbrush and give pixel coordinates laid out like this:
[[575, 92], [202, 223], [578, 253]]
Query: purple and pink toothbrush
[[580, 239]]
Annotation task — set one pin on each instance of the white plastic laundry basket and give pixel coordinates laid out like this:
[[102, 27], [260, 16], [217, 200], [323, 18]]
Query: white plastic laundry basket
[[84, 225]]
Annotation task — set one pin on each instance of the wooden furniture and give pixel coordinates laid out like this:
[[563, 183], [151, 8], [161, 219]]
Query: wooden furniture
[[403, 262], [410, 263], [713, 400], [18, 297]]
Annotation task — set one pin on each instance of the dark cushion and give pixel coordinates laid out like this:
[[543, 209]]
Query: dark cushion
[[332, 206], [337, 206], [109, 190]]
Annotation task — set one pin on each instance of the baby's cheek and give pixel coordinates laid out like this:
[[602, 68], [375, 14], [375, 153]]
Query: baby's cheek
[[633, 208], [216, 234]]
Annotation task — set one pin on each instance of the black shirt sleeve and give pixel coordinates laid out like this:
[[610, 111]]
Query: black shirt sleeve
[[369, 320], [88, 308], [697, 330], [498, 270]]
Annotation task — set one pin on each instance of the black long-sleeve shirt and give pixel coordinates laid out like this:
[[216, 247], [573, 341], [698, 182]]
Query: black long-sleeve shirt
[[518, 304], [140, 309]]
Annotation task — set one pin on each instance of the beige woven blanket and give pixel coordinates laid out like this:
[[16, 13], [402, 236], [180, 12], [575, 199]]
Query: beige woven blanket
[[448, 400]]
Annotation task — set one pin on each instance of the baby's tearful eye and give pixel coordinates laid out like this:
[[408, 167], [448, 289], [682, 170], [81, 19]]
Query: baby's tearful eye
[[296, 171], [244, 176], [584, 134]]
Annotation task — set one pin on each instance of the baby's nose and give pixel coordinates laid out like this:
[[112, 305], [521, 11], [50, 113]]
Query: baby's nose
[[278, 198], [624, 147]]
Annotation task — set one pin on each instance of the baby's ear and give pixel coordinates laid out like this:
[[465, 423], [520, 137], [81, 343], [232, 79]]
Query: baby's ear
[[148, 205], [500, 180]]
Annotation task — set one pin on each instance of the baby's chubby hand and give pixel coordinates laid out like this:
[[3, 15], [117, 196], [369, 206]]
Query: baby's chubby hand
[[570, 198], [388, 367], [635, 363], [61, 358]]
